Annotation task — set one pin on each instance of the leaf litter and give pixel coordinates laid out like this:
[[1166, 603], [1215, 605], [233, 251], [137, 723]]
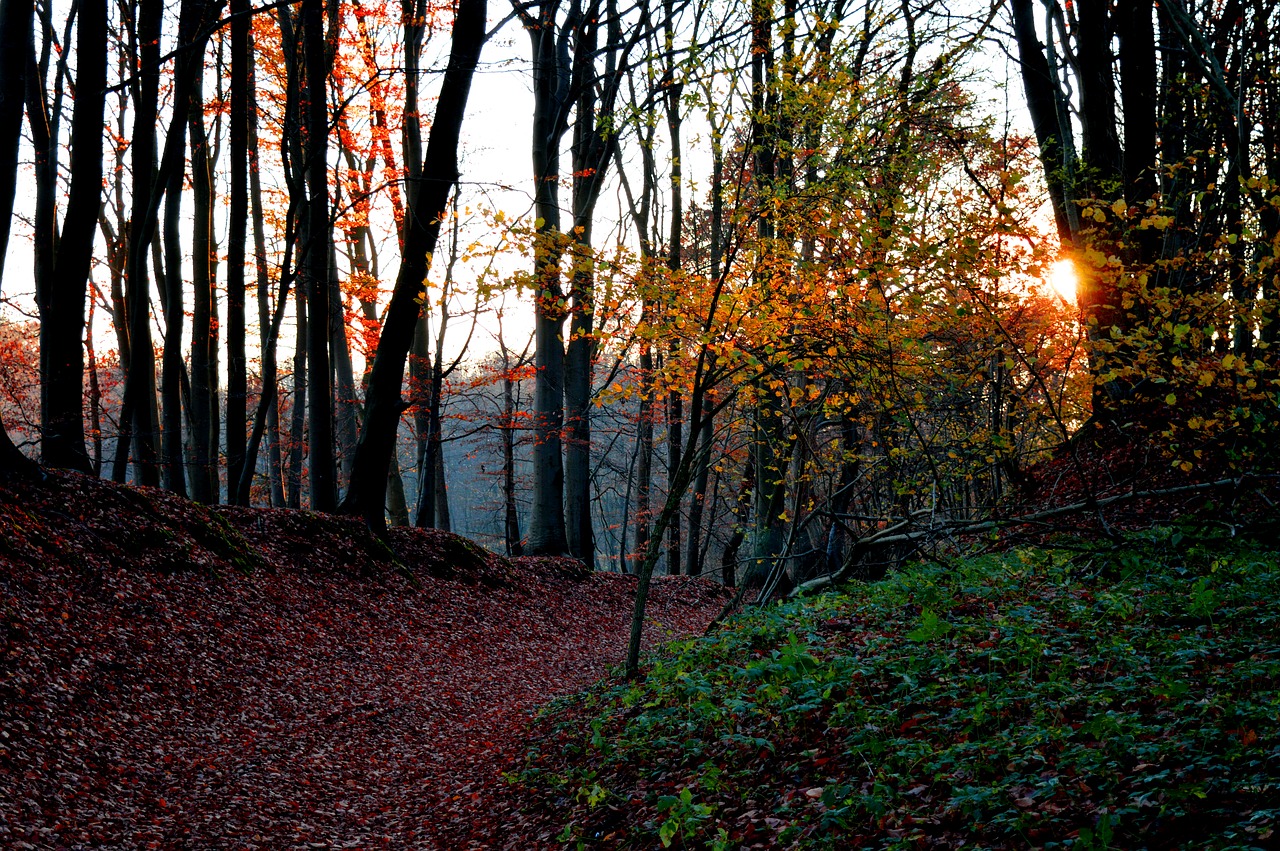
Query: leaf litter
[[178, 676]]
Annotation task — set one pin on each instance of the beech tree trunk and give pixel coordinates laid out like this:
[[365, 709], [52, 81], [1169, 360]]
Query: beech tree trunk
[[769, 456], [62, 317], [174, 317], [551, 107], [675, 262], [15, 40], [366, 495], [204, 441], [346, 401], [238, 141], [315, 265], [268, 336], [140, 381]]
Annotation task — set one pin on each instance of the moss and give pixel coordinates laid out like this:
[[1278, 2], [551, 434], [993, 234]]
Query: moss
[[219, 536]]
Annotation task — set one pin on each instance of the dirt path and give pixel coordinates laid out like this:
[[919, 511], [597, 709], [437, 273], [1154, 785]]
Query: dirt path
[[289, 709]]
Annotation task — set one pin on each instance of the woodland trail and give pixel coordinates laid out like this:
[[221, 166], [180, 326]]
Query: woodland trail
[[298, 706]]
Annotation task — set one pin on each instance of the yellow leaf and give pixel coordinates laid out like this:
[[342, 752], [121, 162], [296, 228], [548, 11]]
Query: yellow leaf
[[1171, 399], [1120, 208]]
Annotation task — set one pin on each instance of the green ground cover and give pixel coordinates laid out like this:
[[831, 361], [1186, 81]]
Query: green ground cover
[[1060, 698]]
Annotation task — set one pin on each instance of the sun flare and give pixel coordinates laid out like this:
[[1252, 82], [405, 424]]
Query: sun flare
[[1063, 280]]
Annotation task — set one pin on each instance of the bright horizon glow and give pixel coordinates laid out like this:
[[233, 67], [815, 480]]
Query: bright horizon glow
[[1063, 280]]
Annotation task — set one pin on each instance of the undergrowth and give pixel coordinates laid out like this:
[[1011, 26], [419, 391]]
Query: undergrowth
[[1052, 698]]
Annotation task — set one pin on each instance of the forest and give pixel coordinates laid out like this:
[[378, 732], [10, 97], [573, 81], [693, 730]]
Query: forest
[[823, 307], [777, 277]]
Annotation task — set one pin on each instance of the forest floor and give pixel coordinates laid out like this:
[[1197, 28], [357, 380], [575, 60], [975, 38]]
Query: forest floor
[[173, 676], [1075, 695]]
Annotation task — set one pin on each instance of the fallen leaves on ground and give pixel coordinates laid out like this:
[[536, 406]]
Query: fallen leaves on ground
[[173, 676]]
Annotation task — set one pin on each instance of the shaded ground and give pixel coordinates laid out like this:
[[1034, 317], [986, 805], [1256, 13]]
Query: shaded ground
[[1081, 698], [177, 677]]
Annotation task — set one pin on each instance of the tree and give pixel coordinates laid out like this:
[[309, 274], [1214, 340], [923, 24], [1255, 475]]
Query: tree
[[15, 37], [1160, 207], [315, 259], [238, 140], [427, 202], [62, 302], [137, 423]]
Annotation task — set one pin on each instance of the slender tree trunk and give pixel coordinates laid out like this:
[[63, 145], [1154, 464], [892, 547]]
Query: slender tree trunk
[[44, 119], [174, 317], [1040, 89], [644, 448], [315, 265], [297, 422], [347, 401], [698, 498], [95, 388], [238, 141], [203, 433], [675, 401], [588, 165], [511, 517], [577, 451], [431, 484], [594, 146], [768, 454], [419, 398], [266, 339], [693, 557]]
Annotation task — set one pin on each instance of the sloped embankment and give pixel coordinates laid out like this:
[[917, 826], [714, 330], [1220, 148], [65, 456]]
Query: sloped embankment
[[174, 676]]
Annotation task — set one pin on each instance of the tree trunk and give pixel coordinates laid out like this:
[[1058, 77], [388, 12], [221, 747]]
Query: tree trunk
[[347, 402], [297, 421], [675, 402], [204, 474], [315, 265], [511, 517], [1052, 138], [419, 399], [238, 140], [588, 166], [697, 505], [644, 449], [174, 316], [550, 117], [139, 392], [768, 455], [366, 495], [397, 508], [15, 40], [62, 323], [266, 338]]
